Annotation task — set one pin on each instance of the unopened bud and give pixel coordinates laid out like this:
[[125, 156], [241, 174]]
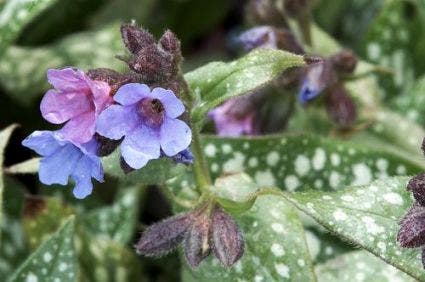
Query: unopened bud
[[227, 240], [105, 145], [417, 186], [260, 12], [345, 61], [317, 78], [164, 236], [114, 79], [412, 231], [184, 157], [136, 39], [170, 43], [286, 40], [340, 107], [196, 241]]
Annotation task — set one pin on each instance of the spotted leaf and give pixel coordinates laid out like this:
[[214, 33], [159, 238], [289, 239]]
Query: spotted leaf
[[367, 216]]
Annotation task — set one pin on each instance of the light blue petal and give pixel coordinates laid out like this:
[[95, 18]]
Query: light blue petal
[[57, 168], [116, 121], [175, 136], [173, 106], [42, 142], [131, 93], [140, 146], [82, 174]]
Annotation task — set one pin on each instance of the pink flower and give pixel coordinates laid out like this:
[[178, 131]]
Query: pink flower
[[77, 100]]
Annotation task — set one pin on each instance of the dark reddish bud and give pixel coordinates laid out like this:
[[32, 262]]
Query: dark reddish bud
[[196, 241], [412, 231], [163, 237], [226, 238], [310, 60], [345, 61], [105, 145], [340, 107], [136, 39], [152, 64], [417, 186], [125, 167], [170, 43], [114, 79], [260, 12], [287, 41], [295, 8]]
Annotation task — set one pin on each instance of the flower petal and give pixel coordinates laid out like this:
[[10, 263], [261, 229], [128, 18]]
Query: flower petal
[[100, 91], [80, 129], [175, 136], [58, 107], [68, 79], [86, 168], [173, 106], [116, 121], [131, 93], [57, 168], [140, 146], [42, 142]]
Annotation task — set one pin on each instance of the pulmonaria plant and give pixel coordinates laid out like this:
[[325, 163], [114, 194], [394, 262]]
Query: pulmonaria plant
[[201, 231]]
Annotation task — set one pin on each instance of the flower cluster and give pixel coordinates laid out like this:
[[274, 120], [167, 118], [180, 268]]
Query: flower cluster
[[205, 229], [103, 109], [412, 230]]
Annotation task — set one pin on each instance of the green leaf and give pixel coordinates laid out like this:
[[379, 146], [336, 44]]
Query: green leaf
[[304, 162], [14, 15], [155, 172], [367, 216], [118, 221], [28, 166], [42, 217], [217, 81], [23, 70], [54, 259], [4, 138], [359, 266], [275, 247]]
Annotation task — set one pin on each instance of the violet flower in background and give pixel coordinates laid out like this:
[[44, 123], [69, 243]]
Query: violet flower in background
[[317, 78], [63, 159], [148, 122], [258, 37], [235, 117], [76, 100]]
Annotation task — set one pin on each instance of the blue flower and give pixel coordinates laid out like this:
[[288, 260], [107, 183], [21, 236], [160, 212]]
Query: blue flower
[[63, 159], [184, 157], [148, 122], [258, 37], [318, 77]]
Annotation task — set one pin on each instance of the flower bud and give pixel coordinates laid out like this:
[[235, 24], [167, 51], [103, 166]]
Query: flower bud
[[340, 107], [286, 40], [259, 37], [184, 157], [164, 236], [196, 241], [412, 231], [417, 186], [105, 145], [226, 239], [136, 39], [170, 43], [345, 61], [259, 12]]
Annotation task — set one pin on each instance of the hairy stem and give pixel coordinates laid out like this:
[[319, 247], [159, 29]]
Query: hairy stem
[[200, 167]]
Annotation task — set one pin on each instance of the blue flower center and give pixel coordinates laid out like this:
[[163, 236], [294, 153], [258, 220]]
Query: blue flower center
[[151, 111]]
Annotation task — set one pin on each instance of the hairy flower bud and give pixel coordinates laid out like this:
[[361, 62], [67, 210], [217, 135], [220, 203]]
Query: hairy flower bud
[[164, 236], [417, 186], [412, 231], [170, 43], [196, 241], [136, 39], [345, 61], [227, 240], [340, 107]]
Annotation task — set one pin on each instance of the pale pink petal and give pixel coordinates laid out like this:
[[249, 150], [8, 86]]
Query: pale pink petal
[[81, 128]]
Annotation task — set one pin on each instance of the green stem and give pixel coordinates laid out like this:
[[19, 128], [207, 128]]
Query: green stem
[[200, 167]]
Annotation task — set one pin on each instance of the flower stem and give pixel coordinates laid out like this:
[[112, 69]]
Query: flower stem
[[200, 168]]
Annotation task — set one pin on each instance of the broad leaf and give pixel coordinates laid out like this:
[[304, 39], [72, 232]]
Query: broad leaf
[[54, 259], [304, 162], [217, 81], [14, 15], [359, 266], [367, 216], [118, 221], [23, 70]]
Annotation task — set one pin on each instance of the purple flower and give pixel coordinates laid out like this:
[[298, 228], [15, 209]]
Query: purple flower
[[258, 37], [318, 77], [235, 117], [63, 159], [148, 122], [76, 100]]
